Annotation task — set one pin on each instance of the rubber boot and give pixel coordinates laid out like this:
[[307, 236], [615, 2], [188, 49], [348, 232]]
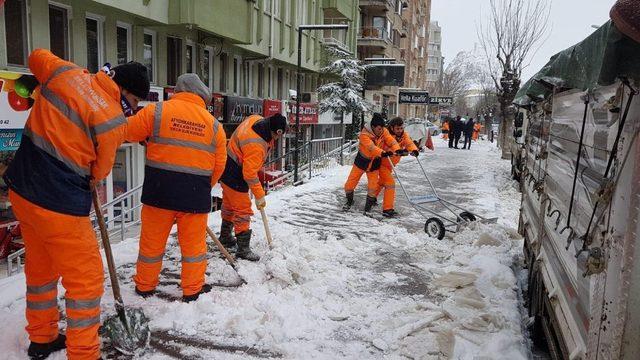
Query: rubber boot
[[226, 237], [349, 202], [42, 351], [145, 294], [244, 251], [389, 213], [369, 204], [189, 298]]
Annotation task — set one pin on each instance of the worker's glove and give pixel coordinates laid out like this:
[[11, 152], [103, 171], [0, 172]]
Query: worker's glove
[[402, 152], [261, 203], [415, 153], [387, 153]]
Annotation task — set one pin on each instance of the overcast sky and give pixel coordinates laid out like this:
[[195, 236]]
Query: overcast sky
[[570, 22]]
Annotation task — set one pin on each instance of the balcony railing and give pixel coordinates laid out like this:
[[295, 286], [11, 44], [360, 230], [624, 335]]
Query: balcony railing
[[373, 33], [387, 4]]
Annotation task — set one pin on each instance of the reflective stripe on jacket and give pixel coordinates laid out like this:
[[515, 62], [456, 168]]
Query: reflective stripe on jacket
[[186, 153], [247, 152], [72, 134], [370, 148]]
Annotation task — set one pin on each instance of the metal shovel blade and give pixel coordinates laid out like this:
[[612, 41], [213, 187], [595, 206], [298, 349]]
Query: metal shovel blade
[[129, 333]]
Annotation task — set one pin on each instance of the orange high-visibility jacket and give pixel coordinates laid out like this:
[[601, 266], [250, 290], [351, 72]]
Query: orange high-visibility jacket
[[370, 148], [186, 152], [405, 142], [71, 135], [247, 150]]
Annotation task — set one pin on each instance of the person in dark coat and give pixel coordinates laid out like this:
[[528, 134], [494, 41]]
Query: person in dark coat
[[458, 127], [451, 125], [468, 133]]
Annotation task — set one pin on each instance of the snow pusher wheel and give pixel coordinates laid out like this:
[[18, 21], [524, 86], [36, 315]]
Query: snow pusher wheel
[[467, 216], [434, 227]]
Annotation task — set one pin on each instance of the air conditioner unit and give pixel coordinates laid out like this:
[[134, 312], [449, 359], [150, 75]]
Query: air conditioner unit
[[309, 97]]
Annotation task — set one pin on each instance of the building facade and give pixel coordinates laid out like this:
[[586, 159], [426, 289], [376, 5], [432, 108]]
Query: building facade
[[435, 62], [395, 30], [244, 50]]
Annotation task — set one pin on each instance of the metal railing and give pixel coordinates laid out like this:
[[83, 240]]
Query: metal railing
[[374, 32], [121, 213], [315, 156]]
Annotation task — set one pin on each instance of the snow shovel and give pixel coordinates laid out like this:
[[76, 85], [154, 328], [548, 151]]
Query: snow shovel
[[266, 227], [224, 252], [129, 329]]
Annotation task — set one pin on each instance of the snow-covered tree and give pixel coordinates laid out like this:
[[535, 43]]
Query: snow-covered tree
[[343, 94]]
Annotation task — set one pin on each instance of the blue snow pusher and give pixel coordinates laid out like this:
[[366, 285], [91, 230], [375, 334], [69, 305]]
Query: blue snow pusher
[[438, 224]]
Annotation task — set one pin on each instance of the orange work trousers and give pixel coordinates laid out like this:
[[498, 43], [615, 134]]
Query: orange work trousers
[[61, 246], [236, 208], [387, 182], [156, 227], [354, 179]]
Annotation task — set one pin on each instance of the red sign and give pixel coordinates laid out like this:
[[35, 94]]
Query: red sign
[[308, 113], [217, 106], [271, 107]]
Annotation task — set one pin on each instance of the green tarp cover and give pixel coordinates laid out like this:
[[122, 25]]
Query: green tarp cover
[[598, 60]]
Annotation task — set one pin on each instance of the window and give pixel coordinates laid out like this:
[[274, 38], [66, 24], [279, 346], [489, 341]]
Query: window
[[123, 42], [248, 76], [224, 72], [260, 80], [236, 76], [398, 7], [174, 59], [276, 8], [378, 27], [206, 68], [303, 11], [270, 83], [190, 58], [287, 11], [267, 5], [95, 58], [15, 26], [59, 31], [148, 53], [280, 84]]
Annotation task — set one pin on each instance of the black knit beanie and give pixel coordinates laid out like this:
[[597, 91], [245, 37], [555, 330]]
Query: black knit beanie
[[277, 122], [377, 120], [133, 77]]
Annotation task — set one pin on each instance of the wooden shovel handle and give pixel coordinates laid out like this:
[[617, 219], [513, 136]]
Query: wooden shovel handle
[[221, 247]]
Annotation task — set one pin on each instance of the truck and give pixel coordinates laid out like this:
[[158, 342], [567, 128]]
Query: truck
[[579, 170]]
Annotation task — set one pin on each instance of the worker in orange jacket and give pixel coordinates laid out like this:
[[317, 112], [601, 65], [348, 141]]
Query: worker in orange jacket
[[247, 149], [186, 154], [476, 131], [371, 138], [69, 141], [445, 129], [396, 129]]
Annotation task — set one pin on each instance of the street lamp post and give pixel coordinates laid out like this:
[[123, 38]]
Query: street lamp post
[[301, 28]]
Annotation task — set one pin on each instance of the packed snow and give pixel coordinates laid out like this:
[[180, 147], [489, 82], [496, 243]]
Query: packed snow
[[340, 284]]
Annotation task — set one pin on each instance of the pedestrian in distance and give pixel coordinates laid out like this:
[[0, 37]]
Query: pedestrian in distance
[[68, 145], [370, 153], [445, 131], [458, 128], [247, 150], [185, 157], [386, 181], [469, 128]]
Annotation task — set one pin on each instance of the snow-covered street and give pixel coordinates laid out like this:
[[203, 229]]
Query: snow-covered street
[[342, 285]]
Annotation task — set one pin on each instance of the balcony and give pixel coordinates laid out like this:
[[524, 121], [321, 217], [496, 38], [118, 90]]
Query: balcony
[[385, 5], [374, 36]]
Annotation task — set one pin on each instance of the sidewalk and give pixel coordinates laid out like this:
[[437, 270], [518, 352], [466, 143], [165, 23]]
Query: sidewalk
[[341, 285]]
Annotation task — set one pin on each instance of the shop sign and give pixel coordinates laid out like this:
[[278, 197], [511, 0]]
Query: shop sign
[[308, 113], [271, 107], [10, 139], [441, 100], [237, 108], [16, 98], [413, 97], [216, 108]]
